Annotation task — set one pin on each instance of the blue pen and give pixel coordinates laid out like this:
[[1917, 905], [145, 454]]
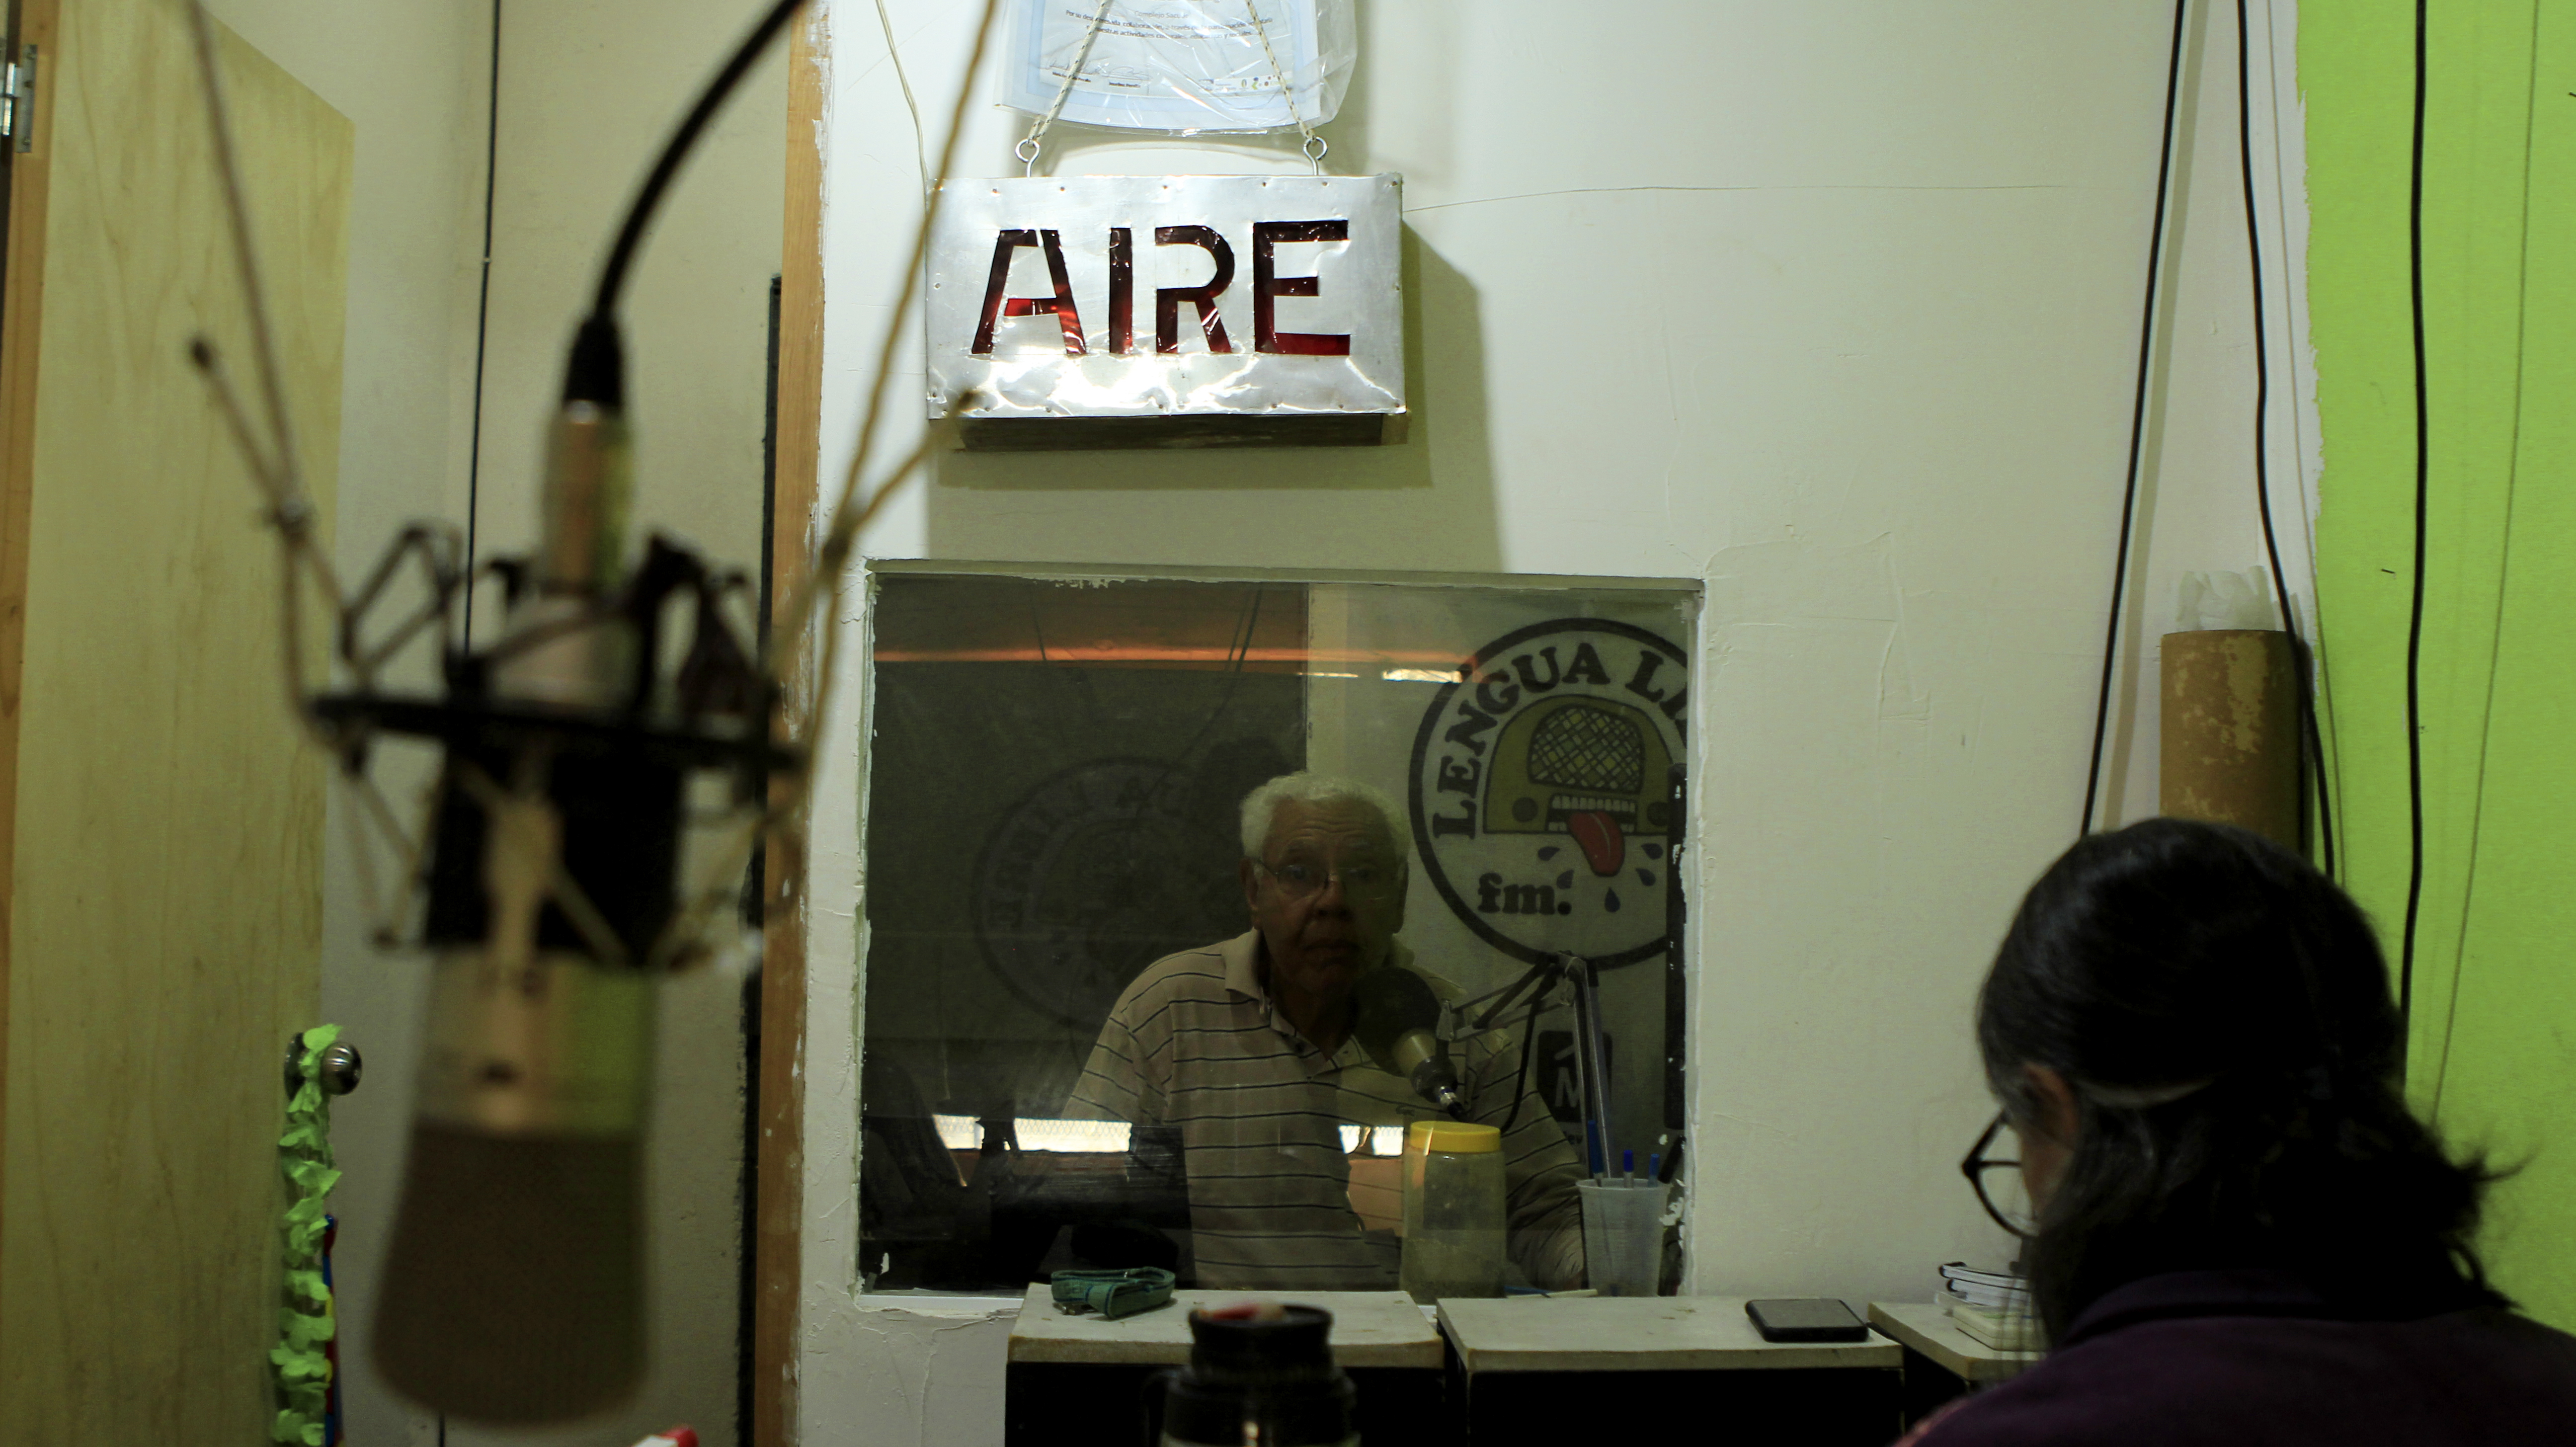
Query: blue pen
[[1628, 1166], [1655, 1166]]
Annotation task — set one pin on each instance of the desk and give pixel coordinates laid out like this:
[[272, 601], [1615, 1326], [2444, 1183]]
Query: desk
[[1079, 1381], [1941, 1361], [1565, 1369]]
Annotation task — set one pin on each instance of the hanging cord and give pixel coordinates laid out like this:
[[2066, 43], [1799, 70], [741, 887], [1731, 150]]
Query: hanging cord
[[894, 57], [1035, 141], [274, 462], [2415, 604], [2310, 744], [2137, 428], [1314, 146]]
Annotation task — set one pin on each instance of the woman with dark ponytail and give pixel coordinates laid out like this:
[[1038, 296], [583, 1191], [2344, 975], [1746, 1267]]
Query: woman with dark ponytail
[[2239, 1232]]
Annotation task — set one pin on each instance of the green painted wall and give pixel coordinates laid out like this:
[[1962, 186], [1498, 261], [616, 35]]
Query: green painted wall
[[2492, 1058]]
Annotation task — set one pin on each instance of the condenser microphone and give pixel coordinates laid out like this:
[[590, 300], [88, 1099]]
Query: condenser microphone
[[514, 1286], [1398, 1016]]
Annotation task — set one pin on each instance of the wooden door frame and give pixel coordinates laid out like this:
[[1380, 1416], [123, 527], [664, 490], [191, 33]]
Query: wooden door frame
[[779, 1180], [21, 324]]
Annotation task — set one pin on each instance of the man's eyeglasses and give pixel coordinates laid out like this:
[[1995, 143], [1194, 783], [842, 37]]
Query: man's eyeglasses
[[1298, 879], [2004, 1199]]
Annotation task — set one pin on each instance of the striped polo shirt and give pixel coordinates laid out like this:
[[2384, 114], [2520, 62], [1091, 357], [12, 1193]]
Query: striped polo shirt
[[1196, 1044]]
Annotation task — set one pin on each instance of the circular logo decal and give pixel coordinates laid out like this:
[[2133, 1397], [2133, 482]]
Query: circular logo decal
[[1539, 789], [1095, 874]]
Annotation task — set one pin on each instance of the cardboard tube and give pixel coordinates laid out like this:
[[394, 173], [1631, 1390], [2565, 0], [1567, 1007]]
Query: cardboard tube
[[2230, 745]]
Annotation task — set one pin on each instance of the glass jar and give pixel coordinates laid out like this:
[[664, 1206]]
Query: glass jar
[[1453, 1210]]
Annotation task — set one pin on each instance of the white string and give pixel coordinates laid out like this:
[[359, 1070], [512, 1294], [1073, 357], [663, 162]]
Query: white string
[[1315, 145], [1032, 144], [1035, 141], [886, 23]]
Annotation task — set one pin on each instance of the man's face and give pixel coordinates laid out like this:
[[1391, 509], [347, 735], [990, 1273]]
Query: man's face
[[1327, 894]]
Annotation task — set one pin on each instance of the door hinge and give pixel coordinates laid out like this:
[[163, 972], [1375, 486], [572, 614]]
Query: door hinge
[[18, 99]]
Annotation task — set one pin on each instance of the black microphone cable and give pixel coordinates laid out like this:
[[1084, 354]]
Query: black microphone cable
[[2415, 604], [648, 199], [2311, 744], [2137, 426], [597, 371]]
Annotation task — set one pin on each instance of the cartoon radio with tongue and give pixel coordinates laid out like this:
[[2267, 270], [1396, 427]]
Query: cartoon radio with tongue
[[1587, 768]]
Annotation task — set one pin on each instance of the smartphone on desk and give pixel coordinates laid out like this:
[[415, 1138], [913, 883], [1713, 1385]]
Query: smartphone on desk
[[1805, 1318]]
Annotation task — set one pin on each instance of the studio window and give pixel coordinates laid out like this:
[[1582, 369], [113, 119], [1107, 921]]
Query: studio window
[[1185, 898]]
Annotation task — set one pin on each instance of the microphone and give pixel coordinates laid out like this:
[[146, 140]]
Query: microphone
[[513, 1289], [1397, 1015]]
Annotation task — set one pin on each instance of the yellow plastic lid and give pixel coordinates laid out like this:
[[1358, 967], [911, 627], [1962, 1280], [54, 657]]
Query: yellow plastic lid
[[1452, 1137]]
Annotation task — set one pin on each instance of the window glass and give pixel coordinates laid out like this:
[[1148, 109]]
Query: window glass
[[1100, 1030]]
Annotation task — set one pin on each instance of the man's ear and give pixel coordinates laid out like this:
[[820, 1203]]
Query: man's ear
[[1251, 884]]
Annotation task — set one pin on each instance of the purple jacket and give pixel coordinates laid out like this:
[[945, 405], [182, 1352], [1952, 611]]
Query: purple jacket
[[2221, 1358]]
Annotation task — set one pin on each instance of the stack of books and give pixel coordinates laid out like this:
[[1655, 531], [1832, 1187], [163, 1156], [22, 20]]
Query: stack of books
[[1991, 1306]]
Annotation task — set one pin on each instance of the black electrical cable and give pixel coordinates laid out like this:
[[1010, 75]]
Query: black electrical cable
[[482, 315], [2310, 743], [2137, 426], [1520, 1078], [2415, 606], [612, 277]]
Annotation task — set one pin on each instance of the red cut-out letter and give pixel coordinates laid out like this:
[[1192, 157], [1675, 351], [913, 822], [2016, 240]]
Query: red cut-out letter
[[1168, 299], [1122, 292], [997, 306], [1267, 285]]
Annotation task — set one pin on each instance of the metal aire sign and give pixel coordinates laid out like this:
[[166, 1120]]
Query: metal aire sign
[[1167, 310], [1267, 287]]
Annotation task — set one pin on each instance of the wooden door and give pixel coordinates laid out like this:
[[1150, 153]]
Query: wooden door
[[160, 822]]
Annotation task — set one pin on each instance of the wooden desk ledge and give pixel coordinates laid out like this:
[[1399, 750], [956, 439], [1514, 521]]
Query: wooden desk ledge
[[1636, 1334], [1925, 1327], [1370, 1329]]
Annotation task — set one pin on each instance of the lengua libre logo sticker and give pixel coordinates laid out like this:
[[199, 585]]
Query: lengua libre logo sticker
[[1538, 789]]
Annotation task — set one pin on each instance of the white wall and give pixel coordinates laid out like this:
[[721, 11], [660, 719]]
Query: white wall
[[2197, 504], [1833, 306]]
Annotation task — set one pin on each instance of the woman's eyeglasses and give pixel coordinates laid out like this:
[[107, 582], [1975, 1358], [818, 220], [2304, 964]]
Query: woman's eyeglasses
[[2005, 1198]]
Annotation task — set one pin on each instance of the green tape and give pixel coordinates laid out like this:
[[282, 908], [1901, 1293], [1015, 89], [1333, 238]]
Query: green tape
[[305, 1320], [1112, 1293]]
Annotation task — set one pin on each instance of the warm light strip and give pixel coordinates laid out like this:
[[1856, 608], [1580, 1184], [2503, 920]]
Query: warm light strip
[[1383, 1140], [1079, 1137], [1442, 667]]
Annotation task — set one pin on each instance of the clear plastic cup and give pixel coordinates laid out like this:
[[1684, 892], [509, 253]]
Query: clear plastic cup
[[1623, 1236]]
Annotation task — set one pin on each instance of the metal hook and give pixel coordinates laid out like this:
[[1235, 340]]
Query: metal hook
[[1027, 150], [1315, 148], [339, 1067]]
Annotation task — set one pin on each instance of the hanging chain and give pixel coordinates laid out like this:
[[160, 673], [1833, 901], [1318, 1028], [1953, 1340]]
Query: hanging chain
[[1035, 141], [1315, 146]]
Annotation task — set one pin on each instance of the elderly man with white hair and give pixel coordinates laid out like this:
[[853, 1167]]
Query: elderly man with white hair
[[1246, 1048]]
